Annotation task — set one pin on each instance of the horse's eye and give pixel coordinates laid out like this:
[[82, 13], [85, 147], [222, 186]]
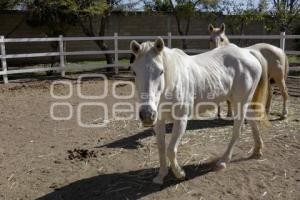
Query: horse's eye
[[211, 40], [222, 39], [161, 72]]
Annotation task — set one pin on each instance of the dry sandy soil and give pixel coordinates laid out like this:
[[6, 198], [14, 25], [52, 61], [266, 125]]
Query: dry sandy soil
[[41, 158]]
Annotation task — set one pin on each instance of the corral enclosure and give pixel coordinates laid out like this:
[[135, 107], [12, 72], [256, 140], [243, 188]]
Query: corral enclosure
[[41, 158], [54, 148]]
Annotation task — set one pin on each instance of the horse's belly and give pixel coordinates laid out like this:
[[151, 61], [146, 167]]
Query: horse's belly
[[215, 96]]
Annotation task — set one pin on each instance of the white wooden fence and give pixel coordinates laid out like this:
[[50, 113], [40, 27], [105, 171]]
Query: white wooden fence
[[116, 38]]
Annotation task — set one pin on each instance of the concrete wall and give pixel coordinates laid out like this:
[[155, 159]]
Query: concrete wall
[[127, 25]]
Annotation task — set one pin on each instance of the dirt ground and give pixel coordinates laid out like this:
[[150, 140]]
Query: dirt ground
[[41, 158]]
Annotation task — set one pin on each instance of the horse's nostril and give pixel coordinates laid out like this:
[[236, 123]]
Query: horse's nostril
[[141, 115]]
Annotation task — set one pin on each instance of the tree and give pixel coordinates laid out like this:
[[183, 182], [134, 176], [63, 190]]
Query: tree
[[182, 10], [57, 15], [8, 4], [52, 17], [91, 15], [239, 14], [11, 5], [284, 12]]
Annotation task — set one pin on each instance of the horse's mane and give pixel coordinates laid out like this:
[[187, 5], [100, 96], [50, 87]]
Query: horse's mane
[[176, 63]]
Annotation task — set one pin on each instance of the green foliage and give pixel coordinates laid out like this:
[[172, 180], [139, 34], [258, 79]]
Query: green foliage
[[52, 16], [158, 6], [8, 4], [185, 9], [239, 15], [284, 13], [12, 4], [55, 16], [90, 7], [279, 14]]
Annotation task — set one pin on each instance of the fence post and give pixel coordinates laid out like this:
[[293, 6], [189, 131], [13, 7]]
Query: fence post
[[282, 40], [3, 59], [116, 53], [169, 39], [62, 55]]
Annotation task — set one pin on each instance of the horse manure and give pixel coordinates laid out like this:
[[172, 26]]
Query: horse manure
[[81, 154]]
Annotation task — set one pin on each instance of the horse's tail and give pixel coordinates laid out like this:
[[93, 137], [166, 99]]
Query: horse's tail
[[259, 100], [286, 66]]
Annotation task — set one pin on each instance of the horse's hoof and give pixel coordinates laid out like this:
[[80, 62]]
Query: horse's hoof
[[256, 155], [158, 180], [180, 175], [221, 165], [284, 116]]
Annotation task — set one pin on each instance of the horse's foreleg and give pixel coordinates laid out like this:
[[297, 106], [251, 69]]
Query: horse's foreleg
[[237, 127], [219, 112], [284, 93], [160, 130], [269, 100], [177, 133], [229, 111]]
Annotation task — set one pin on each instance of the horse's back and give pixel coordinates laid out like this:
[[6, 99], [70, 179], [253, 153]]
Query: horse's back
[[275, 57], [238, 68], [229, 56]]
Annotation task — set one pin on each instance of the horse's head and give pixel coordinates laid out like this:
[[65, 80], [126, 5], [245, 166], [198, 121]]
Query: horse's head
[[149, 78], [217, 36]]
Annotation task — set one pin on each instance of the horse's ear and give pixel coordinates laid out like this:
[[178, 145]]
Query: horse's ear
[[210, 28], [222, 28], [135, 47], [159, 44]]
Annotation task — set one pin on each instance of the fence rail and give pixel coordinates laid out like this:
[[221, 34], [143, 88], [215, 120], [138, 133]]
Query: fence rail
[[116, 38]]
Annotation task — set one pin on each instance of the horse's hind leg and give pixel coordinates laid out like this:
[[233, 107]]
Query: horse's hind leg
[[160, 137], [239, 116], [177, 133], [269, 100], [258, 142], [284, 93]]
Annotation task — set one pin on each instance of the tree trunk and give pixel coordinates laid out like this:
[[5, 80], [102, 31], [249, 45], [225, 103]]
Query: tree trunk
[[53, 59], [17, 26], [184, 43], [89, 31], [101, 44]]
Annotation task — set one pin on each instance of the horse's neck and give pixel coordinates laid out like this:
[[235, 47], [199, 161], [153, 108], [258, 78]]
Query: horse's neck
[[170, 62], [226, 40], [181, 69]]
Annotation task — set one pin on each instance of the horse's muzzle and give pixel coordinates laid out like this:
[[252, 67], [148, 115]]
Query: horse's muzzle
[[147, 116]]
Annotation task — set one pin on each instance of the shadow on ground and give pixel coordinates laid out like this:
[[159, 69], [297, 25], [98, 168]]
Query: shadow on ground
[[125, 185], [132, 142]]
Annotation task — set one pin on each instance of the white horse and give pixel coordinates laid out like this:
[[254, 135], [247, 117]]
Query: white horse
[[171, 85], [277, 63]]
